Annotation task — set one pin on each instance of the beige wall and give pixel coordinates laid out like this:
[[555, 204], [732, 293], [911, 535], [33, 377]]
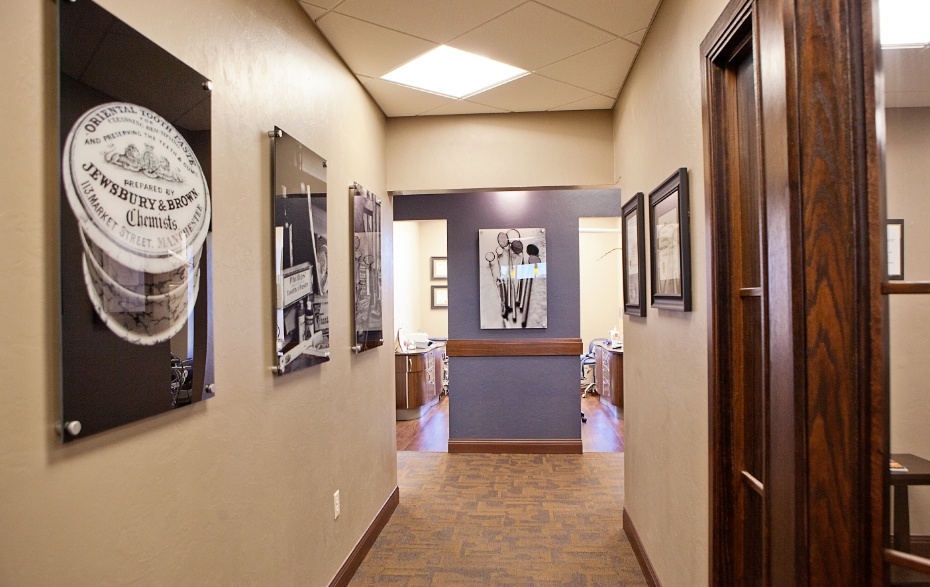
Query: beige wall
[[432, 244], [657, 129], [407, 276], [908, 182], [499, 150], [237, 490], [415, 241], [600, 278]]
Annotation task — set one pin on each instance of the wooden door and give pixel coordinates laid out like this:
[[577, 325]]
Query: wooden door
[[796, 324]]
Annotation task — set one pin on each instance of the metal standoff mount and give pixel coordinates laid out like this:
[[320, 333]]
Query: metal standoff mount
[[357, 348], [276, 133], [72, 427], [208, 85], [210, 388]]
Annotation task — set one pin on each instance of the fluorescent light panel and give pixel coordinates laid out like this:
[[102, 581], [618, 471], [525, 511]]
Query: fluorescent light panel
[[454, 73], [905, 23]]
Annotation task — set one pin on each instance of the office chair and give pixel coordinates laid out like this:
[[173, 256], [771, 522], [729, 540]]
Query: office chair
[[588, 359]]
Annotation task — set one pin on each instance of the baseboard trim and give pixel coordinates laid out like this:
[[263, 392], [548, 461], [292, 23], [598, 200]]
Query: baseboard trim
[[517, 446], [644, 563], [361, 549]]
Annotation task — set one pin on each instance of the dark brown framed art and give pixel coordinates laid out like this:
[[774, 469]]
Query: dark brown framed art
[[634, 257], [439, 297], [438, 268], [670, 244]]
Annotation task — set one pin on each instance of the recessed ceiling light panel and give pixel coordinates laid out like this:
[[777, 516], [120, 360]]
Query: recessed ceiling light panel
[[905, 23], [454, 73]]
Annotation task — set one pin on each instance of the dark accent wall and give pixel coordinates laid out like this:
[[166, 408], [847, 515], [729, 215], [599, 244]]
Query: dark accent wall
[[513, 397]]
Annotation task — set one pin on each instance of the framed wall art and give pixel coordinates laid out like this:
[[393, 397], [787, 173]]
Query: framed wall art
[[634, 256], [670, 244], [366, 253], [439, 268], [512, 278], [895, 235], [439, 297], [301, 255], [135, 223]]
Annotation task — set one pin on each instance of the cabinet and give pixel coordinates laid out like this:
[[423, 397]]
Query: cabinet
[[418, 380], [608, 377]]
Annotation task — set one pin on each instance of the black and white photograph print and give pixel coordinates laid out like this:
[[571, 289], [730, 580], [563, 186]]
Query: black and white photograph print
[[669, 219], [301, 260], [634, 257], [366, 254], [512, 278], [135, 222]]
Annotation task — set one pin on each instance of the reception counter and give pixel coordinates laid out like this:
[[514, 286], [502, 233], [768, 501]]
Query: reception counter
[[608, 377], [418, 380]]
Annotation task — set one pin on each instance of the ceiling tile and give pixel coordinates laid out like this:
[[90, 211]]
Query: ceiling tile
[[437, 21], [621, 17], [369, 49], [596, 102], [314, 12], [396, 100], [531, 36], [324, 4], [530, 93], [463, 107], [598, 69], [906, 70], [636, 37]]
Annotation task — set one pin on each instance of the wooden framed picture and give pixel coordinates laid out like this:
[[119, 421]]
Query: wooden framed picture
[[438, 268], [670, 244], [895, 228], [634, 257], [439, 296]]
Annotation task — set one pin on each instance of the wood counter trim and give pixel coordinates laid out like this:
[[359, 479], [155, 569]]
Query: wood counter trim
[[906, 287], [358, 554], [542, 446], [518, 347]]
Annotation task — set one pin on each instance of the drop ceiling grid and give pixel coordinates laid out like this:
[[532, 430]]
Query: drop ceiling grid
[[578, 51]]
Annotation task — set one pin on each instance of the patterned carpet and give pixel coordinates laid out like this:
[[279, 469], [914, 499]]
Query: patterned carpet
[[496, 520]]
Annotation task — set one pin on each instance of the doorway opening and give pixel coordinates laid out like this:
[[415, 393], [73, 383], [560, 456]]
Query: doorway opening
[[421, 299]]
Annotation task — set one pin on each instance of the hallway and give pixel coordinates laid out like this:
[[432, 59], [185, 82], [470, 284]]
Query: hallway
[[483, 519]]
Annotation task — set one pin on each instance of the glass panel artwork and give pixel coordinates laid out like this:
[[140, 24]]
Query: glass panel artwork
[[366, 253], [301, 256], [512, 278], [135, 224]]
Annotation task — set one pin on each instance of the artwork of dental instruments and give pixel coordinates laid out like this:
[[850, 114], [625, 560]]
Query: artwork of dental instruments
[[512, 278]]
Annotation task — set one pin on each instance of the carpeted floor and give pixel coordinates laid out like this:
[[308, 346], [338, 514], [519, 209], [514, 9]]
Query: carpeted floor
[[495, 520]]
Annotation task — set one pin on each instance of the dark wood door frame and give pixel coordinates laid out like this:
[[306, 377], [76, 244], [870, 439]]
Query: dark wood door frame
[[827, 413]]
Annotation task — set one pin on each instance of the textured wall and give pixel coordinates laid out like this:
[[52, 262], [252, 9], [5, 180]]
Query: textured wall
[[499, 150], [908, 176], [512, 397], [237, 490], [665, 353]]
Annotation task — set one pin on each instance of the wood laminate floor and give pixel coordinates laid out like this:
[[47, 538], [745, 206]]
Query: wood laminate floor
[[603, 432]]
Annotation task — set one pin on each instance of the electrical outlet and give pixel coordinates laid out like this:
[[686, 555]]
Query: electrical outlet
[[336, 507]]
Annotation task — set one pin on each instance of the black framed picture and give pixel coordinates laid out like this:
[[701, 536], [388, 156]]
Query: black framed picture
[[634, 257], [366, 252], [439, 268], [895, 235], [439, 296], [670, 243]]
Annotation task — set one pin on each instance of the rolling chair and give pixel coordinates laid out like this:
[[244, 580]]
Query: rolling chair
[[588, 359]]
